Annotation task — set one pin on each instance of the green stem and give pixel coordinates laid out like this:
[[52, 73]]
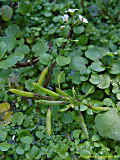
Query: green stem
[[83, 125], [45, 90], [67, 107], [22, 93], [95, 108]]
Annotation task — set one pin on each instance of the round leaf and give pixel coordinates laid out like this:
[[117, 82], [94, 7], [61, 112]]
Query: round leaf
[[4, 146], [108, 124], [7, 13], [115, 68], [104, 81], [18, 118], [19, 150], [27, 139], [97, 66], [94, 53], [3, 135], [78, 63], [62, 61]]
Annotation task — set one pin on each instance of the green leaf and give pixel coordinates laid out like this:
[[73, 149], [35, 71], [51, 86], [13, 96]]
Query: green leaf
[[94, 53], [104, 81], [25, 7], [27, 139], [108, 124], [3, 135], [60, 41], [18, 118], [97, 66], [22, 50], [19, 150], [83, 107], [3, 49], [44, 58], [4, 146], [67, 117], [62, 61], [78, 29], [40, 47], [83, 40], [29, 84], [15, 57], [115, 69], [13, 30], [76, 133], [84, 70], [87, 88], [95, 79], [7, 12], [118, 96], [78, 63], [10, 42], [76, 78], [108, 102]]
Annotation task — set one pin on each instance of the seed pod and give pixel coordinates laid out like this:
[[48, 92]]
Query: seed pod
[[22, 93], [46, 102], [45, 90], [99, 108], [62, 93], [48, 121], [59, 78], [83, 125], [42, 76], [7, 12]]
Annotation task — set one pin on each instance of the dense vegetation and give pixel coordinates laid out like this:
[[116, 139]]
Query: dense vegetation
[[65, 56]]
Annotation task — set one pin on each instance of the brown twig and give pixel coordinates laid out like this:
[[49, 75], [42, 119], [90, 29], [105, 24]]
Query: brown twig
[[82, 5], [26, 64], [49, 74]]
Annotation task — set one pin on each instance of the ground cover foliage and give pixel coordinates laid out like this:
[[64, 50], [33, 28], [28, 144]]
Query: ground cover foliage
[[83, 59]]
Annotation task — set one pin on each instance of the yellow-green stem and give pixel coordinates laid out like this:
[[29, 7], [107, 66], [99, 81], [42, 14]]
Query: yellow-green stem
[[22, 93]]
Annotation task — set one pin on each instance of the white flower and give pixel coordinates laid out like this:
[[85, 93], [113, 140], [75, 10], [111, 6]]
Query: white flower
[[65, 17], [13, 138], [62, 27], [81, 18], [72, 10]]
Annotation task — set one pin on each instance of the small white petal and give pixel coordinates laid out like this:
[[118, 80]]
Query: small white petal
[[83, 19], [62, 27], [65, 17], [72, 10], [13, 137]]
